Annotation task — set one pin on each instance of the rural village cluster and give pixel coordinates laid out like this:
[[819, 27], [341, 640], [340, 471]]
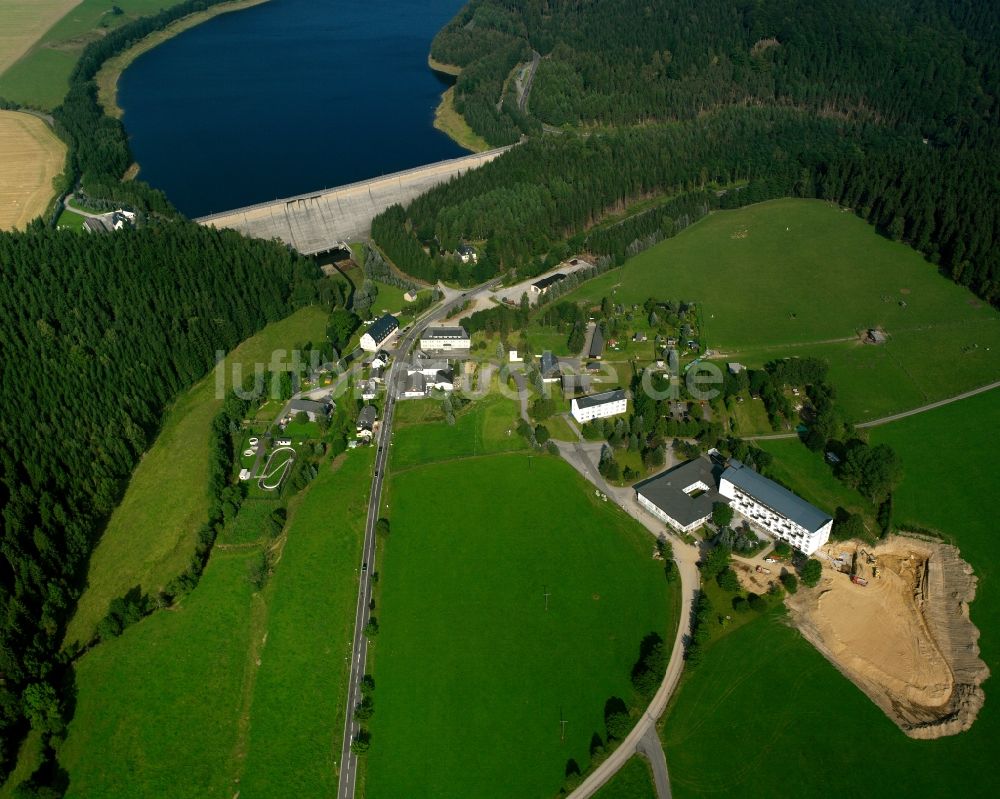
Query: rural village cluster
[[683, 497]]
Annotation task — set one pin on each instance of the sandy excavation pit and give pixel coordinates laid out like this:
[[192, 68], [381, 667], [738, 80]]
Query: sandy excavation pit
[[905, 638]]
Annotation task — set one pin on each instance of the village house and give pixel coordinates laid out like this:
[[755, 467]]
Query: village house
[[380, 332], [599, 406]]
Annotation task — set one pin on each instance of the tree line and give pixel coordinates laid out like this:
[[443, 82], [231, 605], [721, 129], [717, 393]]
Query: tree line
[[765, 100], [99, 333]]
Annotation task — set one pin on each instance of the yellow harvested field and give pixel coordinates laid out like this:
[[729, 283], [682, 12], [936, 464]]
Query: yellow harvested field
[[31, 156], [23, 22]]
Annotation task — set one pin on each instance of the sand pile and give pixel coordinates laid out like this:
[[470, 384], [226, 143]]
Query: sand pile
[[906, 638]]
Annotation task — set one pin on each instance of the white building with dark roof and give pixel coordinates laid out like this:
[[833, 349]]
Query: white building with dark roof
[[379, 332], [542, 286], [599, 406], [684, 496], [443, 339], [774, 508]]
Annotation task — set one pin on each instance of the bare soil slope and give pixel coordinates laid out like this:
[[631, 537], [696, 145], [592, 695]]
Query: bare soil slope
[[31, 156], [905, 638]]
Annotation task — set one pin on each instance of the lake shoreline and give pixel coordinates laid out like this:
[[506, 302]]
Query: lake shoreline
[[447, 120], [110, 73]]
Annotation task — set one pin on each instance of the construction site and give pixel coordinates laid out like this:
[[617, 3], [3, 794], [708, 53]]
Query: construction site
[[894, 619]]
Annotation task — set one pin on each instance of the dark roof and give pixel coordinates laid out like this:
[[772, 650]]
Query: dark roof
[[380, 329], [601, 399], [576, 382], [466, 248], [596, 343], [545, 282], [666, 490], [594, 366], [367, 417], [416, 381], [776, 497], [308, 406], [550, 364], [444, 333]]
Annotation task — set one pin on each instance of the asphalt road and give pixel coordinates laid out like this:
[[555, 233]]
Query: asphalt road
[[359, 648]]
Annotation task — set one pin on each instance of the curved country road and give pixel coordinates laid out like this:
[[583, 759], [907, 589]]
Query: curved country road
[[896, 416]]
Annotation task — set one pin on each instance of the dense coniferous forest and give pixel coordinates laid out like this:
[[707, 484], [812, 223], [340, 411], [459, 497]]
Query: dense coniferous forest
[[891, 109], [98, 334]]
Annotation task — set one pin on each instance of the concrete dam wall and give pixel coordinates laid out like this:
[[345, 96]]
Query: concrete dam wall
[[319, 222]]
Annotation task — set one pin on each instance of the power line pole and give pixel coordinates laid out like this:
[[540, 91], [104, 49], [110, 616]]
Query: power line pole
[[545, 588], [562, 726]]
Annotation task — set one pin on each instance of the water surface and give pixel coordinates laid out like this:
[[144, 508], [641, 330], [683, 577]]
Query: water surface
[[285, 98]]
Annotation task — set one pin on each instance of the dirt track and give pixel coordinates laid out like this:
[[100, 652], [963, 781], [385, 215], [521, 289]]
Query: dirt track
[[906, 638]]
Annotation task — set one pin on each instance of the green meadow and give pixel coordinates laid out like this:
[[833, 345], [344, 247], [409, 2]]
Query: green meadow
[[472, 673], [40, 78], [296, 719], [158, 709], [764, 711], [802, 277], [634, 781], [233, 690], [480, 428], [151, 534]]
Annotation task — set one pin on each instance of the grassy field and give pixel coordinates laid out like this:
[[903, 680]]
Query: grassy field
[[233, 691], [800, 277], [479, 429], [807, 474], [40, 77], [297, 715], [23, 22], [31, 157], [634, 781], [110, 72], [765, 685], [475, 545], [150, 536], [158, 709]]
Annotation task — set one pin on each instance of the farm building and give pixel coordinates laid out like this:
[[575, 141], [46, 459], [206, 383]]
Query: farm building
[[365, 424], [596, 344], [379, 332], [436, 339], [314, 410], [599, 406], [542, 286]]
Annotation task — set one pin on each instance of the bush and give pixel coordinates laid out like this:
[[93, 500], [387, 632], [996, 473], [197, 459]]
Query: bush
[[790, 581], [811, 572], [722, 514], [728, 581], [382, 528]]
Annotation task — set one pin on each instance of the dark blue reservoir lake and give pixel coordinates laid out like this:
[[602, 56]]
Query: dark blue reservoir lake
[[285, 98]]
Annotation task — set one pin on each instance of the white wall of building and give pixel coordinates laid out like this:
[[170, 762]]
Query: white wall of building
[[601, 411], [808, 541], [444, 344]]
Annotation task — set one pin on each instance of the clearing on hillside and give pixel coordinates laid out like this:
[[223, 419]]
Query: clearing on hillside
[[151, 534], [31, 157], [895, 620], [805, 278], [469, 665]]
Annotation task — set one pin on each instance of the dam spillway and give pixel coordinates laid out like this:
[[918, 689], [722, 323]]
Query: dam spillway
[[320, 221]]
